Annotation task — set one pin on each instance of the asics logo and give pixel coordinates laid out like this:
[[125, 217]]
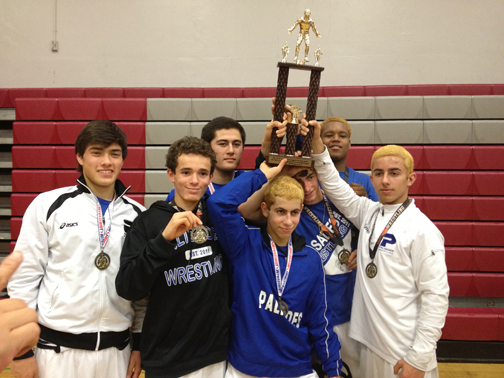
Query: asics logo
[[63, 225]]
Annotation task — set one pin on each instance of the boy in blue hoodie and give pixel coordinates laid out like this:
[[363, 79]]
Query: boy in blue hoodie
[[279, 299]]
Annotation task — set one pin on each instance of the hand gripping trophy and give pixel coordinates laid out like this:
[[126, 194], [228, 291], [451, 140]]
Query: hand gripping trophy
[[305, 24]]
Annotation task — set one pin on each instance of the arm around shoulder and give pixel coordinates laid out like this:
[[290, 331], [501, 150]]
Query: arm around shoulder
[[223, 210]]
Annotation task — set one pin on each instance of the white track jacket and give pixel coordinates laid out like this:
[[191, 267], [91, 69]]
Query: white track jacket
[[400, 312]]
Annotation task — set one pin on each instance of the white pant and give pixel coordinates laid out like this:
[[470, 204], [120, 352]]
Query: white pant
[[350, 349], [78, 363], [373, 366], [233, 373], [217, 370]]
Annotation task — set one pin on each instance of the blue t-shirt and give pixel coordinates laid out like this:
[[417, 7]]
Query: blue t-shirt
[[104, 205], [237, 173], [340, 281], [362, 179]]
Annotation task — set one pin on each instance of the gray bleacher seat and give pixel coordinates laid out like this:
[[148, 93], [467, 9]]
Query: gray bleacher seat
[[488, 106], [169, 109], [157, 182], [206, 109], [448, 132], [447, 107], [254, 131], [155, 157], [349, 108], [253, 109], [165, 132], [363, 132], [399, 132], [491, 132], [392, 107]]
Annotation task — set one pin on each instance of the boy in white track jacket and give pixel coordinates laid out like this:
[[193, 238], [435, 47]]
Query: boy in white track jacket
[[401, 295], [71, 239]]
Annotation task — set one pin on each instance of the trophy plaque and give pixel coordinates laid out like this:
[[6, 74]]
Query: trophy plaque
[[292, 128]]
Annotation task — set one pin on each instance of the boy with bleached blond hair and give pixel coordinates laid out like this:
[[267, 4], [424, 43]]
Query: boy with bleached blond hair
[[279, 299], [401, 295]]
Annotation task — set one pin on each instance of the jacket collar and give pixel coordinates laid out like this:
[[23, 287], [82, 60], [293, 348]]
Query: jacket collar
[[119, 187], [298, 241]]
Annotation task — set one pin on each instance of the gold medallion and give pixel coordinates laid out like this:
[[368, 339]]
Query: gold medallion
[[343, 256], [199, 234], [283, 307], [371, 270], [102, 261]]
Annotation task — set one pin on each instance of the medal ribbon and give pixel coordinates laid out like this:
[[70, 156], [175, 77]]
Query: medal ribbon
[[346, 175], [399, 211], [199, 210], [211, 188], [337, 238], [281, 282], [102, 234]]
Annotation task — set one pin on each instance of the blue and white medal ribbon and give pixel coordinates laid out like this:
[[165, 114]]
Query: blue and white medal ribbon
[[102, 261], [281, 282]]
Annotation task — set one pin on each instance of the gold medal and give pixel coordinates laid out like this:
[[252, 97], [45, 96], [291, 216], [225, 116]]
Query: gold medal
[[283, 307], [343, 256], [371, 270], [102, 261], [199, 234]]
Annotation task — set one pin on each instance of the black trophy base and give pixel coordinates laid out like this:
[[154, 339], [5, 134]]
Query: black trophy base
[[275, 159]]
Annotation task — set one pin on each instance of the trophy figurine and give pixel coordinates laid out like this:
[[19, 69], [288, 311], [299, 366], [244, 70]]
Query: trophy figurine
[[318, 54], [285, 51], [305, 24]]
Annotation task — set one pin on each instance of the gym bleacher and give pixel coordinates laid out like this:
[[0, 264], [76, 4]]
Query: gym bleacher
[[454, 132]]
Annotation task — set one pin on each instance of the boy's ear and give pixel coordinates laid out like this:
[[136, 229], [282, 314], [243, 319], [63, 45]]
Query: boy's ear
[[171, 175], [264, 209], [412, 178]]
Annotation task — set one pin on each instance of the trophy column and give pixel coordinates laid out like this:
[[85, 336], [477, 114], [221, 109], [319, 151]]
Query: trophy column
[[311, 110], [283, 77], [281, 93]]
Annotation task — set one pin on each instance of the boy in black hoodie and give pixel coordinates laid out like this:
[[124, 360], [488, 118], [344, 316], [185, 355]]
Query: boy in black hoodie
[[172, 255]]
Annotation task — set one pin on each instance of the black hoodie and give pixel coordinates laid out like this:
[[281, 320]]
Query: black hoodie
[[186, 326]]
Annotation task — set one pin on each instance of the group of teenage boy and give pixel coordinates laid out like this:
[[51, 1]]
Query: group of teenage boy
[[237, 274]]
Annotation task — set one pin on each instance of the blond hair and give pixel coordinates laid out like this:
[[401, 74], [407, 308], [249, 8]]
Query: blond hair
[[394, 150], [285, 187], [337, 119]]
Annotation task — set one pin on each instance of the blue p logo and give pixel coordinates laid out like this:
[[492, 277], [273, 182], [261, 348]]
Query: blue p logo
[[388, 239]]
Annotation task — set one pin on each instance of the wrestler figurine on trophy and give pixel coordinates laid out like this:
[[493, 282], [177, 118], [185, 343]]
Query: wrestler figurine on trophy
[[305, 24]]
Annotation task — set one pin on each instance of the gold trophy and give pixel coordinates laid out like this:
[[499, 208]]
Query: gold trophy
[[274, 156], [305, 24]]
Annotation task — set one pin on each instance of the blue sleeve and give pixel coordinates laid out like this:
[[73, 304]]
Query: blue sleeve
[[324, 340], [171, 195], [223, 210], [370, 190], [365, 181]]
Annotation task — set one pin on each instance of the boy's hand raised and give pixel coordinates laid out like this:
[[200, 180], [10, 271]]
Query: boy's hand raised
[[271, 172]]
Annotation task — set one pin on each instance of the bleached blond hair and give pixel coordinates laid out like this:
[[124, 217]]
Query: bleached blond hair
[[284, 187], [394, 150], [337, 119]]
